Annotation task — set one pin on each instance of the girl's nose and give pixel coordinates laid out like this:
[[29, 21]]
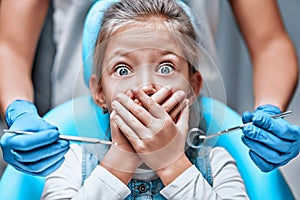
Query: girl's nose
[[149, 88]]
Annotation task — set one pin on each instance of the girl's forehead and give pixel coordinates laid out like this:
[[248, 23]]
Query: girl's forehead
[[131, 38]]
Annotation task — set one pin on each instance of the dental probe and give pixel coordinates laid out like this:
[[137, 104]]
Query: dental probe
[[241, 126], [68, 137]]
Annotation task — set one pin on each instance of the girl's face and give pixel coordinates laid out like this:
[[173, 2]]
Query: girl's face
[[146, 57]]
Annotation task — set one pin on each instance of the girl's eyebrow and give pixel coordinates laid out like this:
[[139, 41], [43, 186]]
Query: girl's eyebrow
[[124, 53], [165, 52], [118, 53], [170, 53]]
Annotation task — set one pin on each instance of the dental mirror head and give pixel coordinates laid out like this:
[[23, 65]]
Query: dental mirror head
[[195, 138]]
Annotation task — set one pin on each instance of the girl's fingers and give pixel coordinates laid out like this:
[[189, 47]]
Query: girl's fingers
[[147, 102], [131, 124], [170, 102], [131, 136], [184, 117], [161, 95], [174, 101], [113, 125], [125, 129], [137, 110], [177, 110], [115, 131]]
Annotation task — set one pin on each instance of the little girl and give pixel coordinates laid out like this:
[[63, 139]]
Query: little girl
[[146, 75]]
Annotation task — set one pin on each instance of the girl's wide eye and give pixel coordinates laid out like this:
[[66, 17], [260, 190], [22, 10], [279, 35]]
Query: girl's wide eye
[[166, 68], [122, 70]]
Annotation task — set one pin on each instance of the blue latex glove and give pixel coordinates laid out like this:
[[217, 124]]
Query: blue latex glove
[[272, 142], [37, 154]]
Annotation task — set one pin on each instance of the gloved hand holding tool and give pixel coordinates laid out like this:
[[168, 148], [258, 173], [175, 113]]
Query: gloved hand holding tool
[[272, 142], [37, 154]]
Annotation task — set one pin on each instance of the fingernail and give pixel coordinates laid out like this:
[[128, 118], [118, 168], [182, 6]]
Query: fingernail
[[129, 94], [180, 93], [187, 102], [114, 104], [119, 96], [137, 102], [113, 113]]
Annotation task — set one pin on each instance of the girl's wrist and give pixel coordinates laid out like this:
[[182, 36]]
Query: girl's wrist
[[172, 171], [121, 163]]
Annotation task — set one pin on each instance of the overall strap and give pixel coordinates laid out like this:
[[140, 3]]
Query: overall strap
[[90, 160], [203, 165]]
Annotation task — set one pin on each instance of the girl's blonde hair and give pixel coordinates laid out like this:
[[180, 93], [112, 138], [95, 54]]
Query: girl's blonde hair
[[134, 12]]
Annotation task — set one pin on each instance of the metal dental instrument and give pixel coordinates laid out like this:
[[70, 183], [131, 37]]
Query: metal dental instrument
[[68, 137], [241, 126]]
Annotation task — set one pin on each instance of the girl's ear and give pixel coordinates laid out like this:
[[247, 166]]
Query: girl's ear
[[97, 92], [196, 82]]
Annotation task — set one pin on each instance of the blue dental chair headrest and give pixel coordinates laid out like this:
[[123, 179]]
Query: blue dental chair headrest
[[91, 30]]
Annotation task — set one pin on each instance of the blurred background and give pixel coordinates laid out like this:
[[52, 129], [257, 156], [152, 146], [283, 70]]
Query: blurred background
[[236, 70]]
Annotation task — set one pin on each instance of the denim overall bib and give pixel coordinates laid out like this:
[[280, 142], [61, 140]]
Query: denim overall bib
[[143, 189]]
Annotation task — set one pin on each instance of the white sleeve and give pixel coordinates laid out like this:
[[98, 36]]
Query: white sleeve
[[227, 182], [65, 183]]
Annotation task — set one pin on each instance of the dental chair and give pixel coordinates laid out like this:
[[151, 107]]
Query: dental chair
[[78, 117]]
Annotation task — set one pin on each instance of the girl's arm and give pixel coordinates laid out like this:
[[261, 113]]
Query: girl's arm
[[66, 182], [227, 182], [121, 160]]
